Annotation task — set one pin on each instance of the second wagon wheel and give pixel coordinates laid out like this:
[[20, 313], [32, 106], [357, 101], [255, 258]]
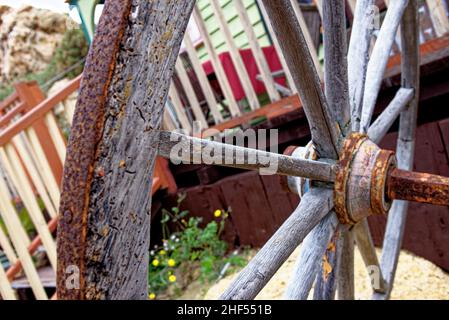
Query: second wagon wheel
[[103, 234], [367, 179]]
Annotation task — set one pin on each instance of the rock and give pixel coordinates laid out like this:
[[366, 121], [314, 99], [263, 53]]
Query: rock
[[28, 39]]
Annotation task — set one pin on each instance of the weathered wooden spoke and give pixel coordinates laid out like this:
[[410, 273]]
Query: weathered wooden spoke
[[378, 60], [180, 147], [367, 250], [405, 145], [358, 54], [326, 280], [115, 139], [308, 264], [313, 207], [325, 133]]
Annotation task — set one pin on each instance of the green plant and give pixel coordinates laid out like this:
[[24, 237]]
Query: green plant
[[188, 253], [71, 50]]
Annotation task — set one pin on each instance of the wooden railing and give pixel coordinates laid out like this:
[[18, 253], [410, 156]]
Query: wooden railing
[[220, 107], [32, 154]]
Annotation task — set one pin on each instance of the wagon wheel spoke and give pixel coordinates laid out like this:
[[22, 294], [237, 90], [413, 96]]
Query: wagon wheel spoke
[[405, 144], [358, 54], [378, 60], [325, 133], [314, 206], [400, 102], [345, 268], [367, 250], [311, 254], [180, 147], [326, 279]]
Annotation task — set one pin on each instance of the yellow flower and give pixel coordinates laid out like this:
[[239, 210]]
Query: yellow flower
[[171, 263], [162, 252], [172, 278], [217, 213], [152, 296], [155, 262]]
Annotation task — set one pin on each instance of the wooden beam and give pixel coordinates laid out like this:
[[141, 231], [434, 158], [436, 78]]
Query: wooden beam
[[280, 107], [216, 63], [202, 79], [190, 93], [179, 108], [257, 52], [38, 112], [20, 242]]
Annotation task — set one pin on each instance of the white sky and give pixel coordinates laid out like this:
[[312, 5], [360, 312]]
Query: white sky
[[54, 5]]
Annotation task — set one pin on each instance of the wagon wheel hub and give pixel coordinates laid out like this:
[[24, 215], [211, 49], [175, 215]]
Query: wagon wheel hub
[[360, 182], [367, 180]]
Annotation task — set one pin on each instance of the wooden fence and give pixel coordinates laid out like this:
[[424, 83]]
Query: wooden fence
[[32, 153]]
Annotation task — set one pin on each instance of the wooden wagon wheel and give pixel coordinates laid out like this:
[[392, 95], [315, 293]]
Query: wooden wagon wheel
[[103, 234]]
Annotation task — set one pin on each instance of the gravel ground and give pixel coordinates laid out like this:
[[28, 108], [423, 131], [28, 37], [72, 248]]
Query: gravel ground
[[416, 278]]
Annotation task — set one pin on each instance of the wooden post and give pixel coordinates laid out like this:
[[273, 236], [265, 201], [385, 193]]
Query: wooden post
[[31, 95], [103, 231]]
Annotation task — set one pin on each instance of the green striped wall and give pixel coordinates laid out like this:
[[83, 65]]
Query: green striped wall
[[234, 24]]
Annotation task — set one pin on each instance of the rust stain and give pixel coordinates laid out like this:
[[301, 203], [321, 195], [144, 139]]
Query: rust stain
[[82, 148], [384, 161], [418, 187]]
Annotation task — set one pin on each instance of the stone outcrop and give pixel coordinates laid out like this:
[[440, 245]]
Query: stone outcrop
[[28, 39]]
